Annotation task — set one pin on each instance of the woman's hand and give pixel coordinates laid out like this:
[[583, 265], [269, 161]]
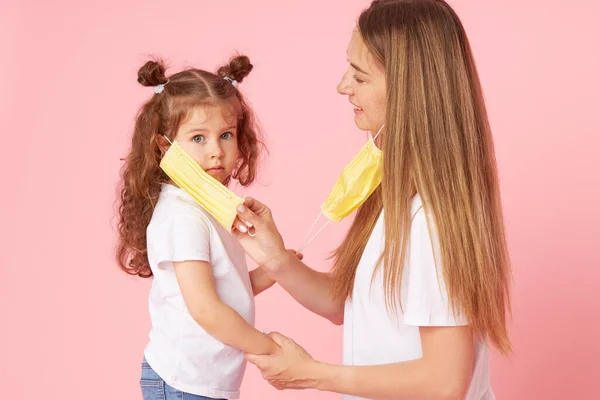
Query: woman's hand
[[262, 241], [290, 368]]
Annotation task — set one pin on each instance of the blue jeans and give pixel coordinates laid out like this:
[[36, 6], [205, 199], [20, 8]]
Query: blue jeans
[[155, 388]]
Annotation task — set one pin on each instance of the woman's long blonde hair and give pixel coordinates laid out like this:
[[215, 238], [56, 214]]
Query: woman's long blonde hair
[[437, 143]]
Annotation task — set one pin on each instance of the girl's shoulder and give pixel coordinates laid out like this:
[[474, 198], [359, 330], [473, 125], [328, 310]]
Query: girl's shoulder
[[176, 206]]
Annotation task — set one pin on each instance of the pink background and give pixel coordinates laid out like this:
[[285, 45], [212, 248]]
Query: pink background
[[73, 326]]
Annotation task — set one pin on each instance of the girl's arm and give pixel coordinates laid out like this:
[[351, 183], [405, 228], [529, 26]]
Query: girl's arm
[[260, 280], [197, 286]]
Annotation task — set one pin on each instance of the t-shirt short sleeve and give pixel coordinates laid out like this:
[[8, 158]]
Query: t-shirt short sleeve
[[425, 298], [182, 237]]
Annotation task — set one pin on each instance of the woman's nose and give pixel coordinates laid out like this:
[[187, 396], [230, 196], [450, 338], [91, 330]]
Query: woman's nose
[[344, 87]]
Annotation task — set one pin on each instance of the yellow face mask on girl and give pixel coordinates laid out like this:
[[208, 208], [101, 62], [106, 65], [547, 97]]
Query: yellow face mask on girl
[[357, 182], [211, 194]]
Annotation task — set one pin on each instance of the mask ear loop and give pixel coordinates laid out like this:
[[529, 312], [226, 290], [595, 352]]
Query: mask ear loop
[[168, 140], [305, 243], [378, 132]]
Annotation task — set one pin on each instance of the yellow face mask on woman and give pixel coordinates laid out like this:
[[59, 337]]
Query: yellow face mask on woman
[[211, 194], [357, 182]]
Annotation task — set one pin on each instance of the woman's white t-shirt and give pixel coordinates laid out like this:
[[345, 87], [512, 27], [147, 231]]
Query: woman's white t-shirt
[[373, 337], [184, 355]]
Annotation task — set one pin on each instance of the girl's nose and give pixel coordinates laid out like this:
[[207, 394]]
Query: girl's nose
[[217, 152]]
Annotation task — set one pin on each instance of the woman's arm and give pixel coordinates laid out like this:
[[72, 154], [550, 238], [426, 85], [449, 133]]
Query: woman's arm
[[197, 286], [309, 287], [444, 371]]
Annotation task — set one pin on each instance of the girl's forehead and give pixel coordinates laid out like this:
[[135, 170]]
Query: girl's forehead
[[222, 112]]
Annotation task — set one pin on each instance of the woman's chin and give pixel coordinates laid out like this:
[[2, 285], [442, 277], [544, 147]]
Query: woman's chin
[[363, 125]]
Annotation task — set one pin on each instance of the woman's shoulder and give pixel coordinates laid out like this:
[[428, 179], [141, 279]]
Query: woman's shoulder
[[416, 206], [422, 227]]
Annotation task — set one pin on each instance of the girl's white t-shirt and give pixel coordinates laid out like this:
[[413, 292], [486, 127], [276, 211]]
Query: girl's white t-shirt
[[179, 350], [373, 337]]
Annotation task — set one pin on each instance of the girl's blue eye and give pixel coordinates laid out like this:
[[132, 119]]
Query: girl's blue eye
[[198, 139], [227, 135]]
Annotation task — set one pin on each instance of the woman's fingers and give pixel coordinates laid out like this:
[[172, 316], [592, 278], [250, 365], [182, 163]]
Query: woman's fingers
[[299, 256], [247, 218], [254, 205], [253, 213], [241, 225]]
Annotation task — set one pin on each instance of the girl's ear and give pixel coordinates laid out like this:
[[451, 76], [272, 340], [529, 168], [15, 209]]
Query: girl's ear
[[162, 143]]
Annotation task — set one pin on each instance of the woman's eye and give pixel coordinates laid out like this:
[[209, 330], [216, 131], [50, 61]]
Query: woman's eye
[[198, 138], [227, 135], [358, 80]]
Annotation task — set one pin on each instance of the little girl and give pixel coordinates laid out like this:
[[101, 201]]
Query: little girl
[[202, 296]]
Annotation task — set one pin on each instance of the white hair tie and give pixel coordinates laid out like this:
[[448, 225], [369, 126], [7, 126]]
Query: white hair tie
[[233, 81], [160, 87]]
